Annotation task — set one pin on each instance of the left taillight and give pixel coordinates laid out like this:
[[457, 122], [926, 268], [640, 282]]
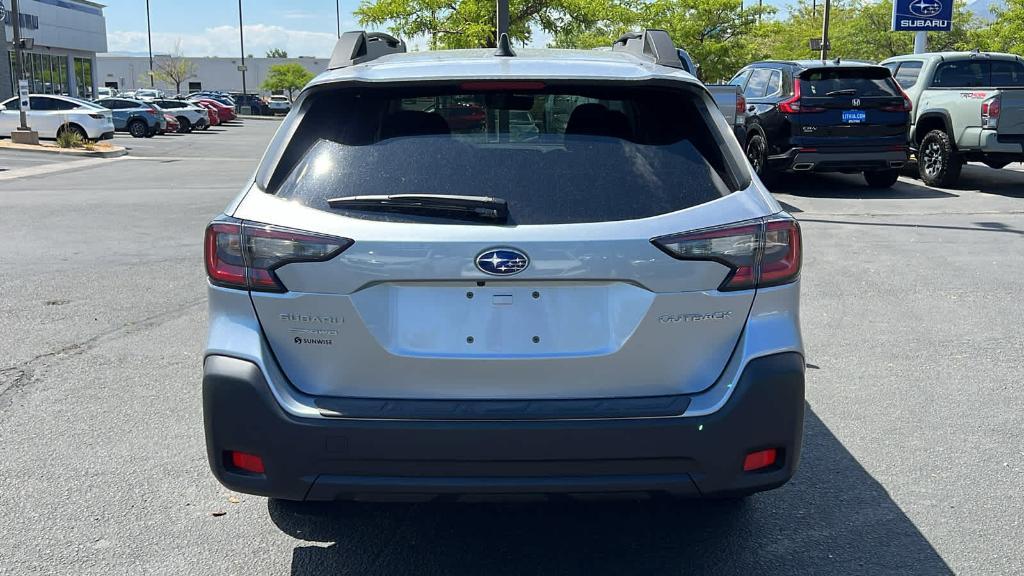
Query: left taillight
[[761, 253], [245, 255], [990, 110]]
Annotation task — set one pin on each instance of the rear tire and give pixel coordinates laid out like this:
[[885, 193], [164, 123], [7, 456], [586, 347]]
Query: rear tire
[[184, 126], [937, 160], [138, 129], [74, 129], [882, 178], [757, 155]]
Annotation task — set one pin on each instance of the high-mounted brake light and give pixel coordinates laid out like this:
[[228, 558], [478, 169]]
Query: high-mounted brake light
[[245, 255], [793, 106], [499, 86], [759, 253], [990, 110]]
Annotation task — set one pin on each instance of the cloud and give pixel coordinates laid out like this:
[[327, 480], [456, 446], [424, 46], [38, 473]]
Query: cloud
[[297, 15], [223, 41]]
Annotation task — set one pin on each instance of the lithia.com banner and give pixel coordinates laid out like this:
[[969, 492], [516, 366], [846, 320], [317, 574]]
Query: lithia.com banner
[[917, 15]]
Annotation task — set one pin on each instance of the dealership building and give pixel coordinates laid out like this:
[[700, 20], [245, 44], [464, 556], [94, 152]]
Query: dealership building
[[128, 73], [66, 35]]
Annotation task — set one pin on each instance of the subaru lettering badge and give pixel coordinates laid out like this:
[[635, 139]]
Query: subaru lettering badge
[[502, 262]]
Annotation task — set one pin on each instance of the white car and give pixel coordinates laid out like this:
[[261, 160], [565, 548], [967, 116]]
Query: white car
[[279, 104], [188, 114], [105, 92], [50, 115], [148, 93]]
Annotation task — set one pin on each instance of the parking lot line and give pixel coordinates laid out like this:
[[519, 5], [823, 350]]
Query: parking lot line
[[53, 168]]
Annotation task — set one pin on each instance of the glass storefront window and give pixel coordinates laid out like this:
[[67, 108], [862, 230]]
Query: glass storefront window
[[48, 73], [37, 73], [83, 77]]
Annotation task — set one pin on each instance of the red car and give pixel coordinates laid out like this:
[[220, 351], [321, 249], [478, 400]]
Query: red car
[[226, 113], [212, 114], [172, 123]]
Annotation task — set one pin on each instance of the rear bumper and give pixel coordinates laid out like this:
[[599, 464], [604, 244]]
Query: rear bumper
[[840, 160], [327, 459]]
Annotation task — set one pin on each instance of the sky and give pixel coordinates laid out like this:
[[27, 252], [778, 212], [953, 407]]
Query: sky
[[210, 28]]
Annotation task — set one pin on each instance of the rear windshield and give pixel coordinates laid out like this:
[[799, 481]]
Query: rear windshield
[[978, 74], [556, 156], [864, 82]]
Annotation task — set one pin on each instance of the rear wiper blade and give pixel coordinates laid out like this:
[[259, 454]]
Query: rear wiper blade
[[843, 92], [484, 207]]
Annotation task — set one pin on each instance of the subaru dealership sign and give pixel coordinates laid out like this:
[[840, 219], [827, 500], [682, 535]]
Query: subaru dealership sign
[[918, 15]]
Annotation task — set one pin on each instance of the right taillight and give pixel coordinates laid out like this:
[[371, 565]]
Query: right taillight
[[759, 253], [990, 110], [245, 255]]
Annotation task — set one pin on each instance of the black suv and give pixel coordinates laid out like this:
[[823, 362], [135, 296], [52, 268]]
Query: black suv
[[817, 116]]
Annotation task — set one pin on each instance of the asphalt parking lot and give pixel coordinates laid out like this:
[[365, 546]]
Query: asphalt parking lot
[[913, 460]]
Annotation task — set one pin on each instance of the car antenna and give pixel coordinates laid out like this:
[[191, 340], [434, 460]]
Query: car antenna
[[504, 47], [837, 61]]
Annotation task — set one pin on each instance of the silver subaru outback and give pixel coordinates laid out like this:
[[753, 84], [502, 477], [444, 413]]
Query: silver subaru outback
[[476, 273]]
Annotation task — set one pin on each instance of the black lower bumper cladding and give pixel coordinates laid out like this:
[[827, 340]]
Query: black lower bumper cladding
[[339, 458]]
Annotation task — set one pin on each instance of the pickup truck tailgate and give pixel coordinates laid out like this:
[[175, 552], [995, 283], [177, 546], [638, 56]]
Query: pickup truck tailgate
[[1011, 116]]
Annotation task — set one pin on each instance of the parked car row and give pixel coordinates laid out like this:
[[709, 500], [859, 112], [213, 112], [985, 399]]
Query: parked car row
[[257, 105], [940, 109], [50, 115], [147, 117]]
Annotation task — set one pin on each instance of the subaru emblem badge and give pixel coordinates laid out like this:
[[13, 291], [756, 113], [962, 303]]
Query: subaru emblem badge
[[502, 261]]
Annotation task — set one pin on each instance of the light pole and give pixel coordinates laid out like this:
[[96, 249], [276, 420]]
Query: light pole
[[337, 6], [241, 39], [824, 30], [149, 34], [19, 71]]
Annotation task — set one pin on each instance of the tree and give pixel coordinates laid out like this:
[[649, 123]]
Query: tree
[[174, 69], [860, 30], [287, 77], [471, 23], [277, 53], [1006, 31]]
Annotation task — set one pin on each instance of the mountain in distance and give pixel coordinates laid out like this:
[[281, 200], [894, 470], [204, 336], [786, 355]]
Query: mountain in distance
[[983, 8]]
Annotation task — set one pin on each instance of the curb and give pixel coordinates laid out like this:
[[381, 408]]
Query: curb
[[116, 153]]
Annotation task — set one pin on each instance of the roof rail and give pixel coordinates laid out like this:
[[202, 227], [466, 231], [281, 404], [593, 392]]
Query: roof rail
[[360, 46], [650, 44]]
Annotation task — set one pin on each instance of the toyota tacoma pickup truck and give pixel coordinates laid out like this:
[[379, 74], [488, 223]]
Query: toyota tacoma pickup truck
[[968, 107]]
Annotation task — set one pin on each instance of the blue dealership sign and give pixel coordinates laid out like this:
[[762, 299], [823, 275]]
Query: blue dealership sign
[[917, 15]]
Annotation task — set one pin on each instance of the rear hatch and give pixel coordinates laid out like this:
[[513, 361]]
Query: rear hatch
[[565, 296], [850, 107]]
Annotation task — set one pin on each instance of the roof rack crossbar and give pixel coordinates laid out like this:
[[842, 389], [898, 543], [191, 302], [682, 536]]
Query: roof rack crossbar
[[650, 44], [360, 46]]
